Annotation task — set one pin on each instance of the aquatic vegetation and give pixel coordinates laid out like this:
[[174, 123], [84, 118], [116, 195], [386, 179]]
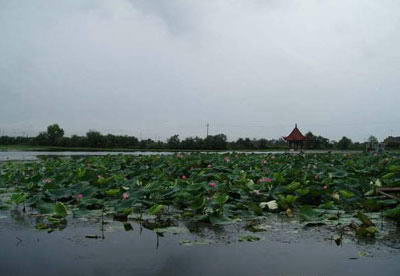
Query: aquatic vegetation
[[249, 238], [195, 242], [211, 188]]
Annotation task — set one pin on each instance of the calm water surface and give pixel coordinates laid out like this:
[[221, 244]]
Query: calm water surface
[[286, 250], [35, 155]]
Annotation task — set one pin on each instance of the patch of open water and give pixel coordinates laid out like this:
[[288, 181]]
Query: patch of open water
[[284, 249], [35, 155]]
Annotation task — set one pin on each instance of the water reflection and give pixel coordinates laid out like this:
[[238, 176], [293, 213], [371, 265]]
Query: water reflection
[[36, 155], [142, 251]]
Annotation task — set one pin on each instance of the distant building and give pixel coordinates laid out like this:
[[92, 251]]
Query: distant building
[[295, 139], [392, 142]]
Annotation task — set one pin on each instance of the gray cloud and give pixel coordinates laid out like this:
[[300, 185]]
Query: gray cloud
[[156, 68], [180, 17]]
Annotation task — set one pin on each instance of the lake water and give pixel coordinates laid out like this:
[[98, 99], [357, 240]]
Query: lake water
[[33, 155], [284, 250]]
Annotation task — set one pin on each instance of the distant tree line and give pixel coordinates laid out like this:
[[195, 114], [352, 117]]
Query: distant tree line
[[392, 142], [54, 136]]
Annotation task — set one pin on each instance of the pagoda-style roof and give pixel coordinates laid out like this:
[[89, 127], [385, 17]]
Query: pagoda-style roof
[[295, 135]]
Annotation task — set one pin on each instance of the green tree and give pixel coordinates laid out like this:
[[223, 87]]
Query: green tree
[[322, 142], [310, 140], [344, 143], [216, 142], [54, 134], [94, 139], [373, 140], [173, 142], [77, 141], [42, 139]]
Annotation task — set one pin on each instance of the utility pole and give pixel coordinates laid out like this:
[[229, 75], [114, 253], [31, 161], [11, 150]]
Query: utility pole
[[208, 125]]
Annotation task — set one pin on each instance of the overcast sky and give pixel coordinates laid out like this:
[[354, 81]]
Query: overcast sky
[[251, 68]]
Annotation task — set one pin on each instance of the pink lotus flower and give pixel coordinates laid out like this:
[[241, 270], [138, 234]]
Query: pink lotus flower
[[227, 159], [47, 180], [265, 180], [184, 177], [125, 195], [325, 187], [209, 166], [264, 162], [79, 196], [212, 184]]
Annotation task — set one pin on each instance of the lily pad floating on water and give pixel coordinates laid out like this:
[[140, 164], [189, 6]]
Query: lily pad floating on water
[[4, 207], [314, 224], [366, 231], [60, 209], [393, 213], [42, 226], [364, 219], [254, 227], [307, 213], [172, 230], [241, 188], [141, 217], [195, 242], [156, 209], [93, 237], [128, 227], [218, 220], [19, 198], [249, 238]]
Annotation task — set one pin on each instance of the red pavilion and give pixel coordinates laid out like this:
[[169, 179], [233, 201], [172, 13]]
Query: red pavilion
[[295, 139]]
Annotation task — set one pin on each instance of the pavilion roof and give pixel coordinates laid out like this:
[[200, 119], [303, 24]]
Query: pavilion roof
[[295, 135]]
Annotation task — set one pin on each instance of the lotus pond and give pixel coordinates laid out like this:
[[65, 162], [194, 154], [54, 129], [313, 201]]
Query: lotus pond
[[206, 199]]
